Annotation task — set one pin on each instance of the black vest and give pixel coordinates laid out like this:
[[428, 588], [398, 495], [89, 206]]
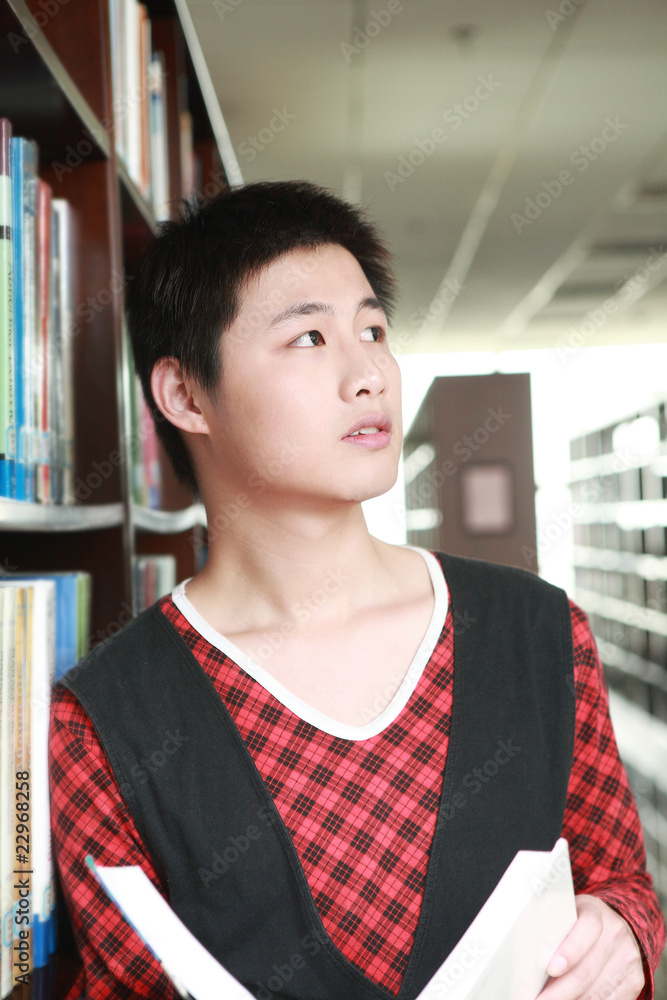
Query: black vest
[[201, 805]]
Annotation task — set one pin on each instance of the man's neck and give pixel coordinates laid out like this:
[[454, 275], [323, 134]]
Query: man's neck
[[262, 566]]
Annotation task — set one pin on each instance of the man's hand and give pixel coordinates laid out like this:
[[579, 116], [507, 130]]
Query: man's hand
[[598, 960]]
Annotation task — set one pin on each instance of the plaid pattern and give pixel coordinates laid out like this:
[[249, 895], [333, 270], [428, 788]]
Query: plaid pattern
[[361, 814]]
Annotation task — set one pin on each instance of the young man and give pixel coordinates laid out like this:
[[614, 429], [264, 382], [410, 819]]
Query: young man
[[324, 749]]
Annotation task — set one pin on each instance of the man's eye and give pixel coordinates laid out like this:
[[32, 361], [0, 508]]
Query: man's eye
[[311, 333], [377, 333]]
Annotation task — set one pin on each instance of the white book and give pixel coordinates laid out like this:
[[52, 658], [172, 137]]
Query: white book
[[130, 106], [41, 683], [64, 393], [504, 953], [508, 946], [38, 685]]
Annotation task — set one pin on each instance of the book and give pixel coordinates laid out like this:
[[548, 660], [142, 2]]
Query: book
[[36, 367], [40, 628], [24, 251], [72, 614], [154, 576], [504, 953], [7, 400], [43, 343], [159, 158], [42, 665], [62, 413], [508, 946]]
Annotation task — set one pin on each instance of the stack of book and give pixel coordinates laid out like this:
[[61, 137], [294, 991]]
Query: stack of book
[[139, 102], [44, 627], [36, 330]]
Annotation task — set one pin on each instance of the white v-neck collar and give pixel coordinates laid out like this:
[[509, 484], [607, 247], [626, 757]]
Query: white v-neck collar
[[301, 708]]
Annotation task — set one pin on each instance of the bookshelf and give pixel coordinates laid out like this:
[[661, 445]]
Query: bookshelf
[[619, 484], [56, 88]]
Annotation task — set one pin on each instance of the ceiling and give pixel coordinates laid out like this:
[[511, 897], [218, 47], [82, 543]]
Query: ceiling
[[514, 153]]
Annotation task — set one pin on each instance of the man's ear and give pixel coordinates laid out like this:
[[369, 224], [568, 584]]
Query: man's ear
[[176, 396]]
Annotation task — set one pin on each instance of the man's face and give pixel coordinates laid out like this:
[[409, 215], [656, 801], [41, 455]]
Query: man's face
[[306, 358]]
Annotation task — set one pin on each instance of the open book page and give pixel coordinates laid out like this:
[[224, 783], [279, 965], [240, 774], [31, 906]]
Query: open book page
[[506, 950], [191, 967], [504, 953]]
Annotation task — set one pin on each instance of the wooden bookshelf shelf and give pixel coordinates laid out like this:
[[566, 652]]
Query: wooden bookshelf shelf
[[37, 92], [168, 522], [59, 87], [21, 516], [56, 88]]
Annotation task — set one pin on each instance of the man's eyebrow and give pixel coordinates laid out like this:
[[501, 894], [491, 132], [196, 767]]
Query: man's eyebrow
[[312, 308]]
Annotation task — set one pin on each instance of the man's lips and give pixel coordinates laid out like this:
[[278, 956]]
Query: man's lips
[[379, 420], [380, 438]]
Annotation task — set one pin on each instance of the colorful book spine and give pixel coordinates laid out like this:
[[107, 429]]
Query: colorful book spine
[[144, 105], [159, 151], [24, 202], [7, 401], [61, 388], [154, 576], [44, 342], [18, 166], [43, 619]]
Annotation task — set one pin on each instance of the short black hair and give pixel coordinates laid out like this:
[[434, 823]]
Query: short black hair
[[187, 288]]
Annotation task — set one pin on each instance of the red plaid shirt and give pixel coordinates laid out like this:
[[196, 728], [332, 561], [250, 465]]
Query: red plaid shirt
[[361, 814]]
